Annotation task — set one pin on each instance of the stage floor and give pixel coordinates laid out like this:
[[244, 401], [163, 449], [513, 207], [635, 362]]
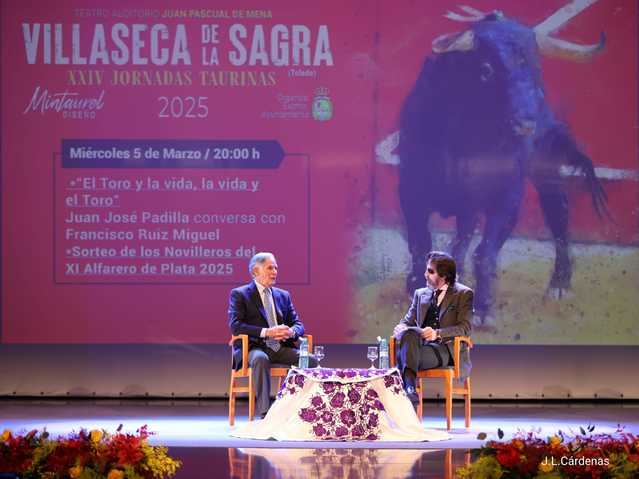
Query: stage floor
[[197, 432]]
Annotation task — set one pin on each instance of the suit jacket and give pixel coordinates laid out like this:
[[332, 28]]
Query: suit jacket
[[248, 316], [455, 314]]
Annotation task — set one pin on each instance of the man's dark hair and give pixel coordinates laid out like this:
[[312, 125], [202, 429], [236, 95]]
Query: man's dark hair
[[444, 264]]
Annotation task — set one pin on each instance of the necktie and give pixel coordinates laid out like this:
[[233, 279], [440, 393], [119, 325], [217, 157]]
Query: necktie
[[270, 317], [436, 297], [436, 307]]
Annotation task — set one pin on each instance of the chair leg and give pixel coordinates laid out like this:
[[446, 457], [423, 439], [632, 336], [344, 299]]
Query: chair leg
[[251, 395], [420, 394], [448, 390], [467, 402], [232, 401]]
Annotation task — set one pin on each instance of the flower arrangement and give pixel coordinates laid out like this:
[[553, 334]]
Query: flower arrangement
[[85, 455], [587, 455]]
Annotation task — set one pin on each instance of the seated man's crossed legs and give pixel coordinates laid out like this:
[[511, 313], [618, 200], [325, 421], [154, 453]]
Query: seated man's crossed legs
[[415, 354]]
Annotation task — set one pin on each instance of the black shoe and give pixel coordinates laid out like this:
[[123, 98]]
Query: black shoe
[[412, 396], [263, 415]]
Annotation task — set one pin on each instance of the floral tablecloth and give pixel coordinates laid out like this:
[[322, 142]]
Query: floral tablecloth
[[322, 404]]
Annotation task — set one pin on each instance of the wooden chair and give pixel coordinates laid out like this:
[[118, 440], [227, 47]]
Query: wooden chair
[[448, 374], [279, 371]]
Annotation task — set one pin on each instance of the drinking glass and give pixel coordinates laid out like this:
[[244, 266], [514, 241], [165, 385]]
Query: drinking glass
[[319, 354], [372, 355]]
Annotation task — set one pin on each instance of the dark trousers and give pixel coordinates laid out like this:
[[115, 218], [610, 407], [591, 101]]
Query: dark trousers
[[260, 360], [413, 355]]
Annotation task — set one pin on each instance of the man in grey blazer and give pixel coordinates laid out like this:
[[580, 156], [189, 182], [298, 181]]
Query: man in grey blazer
[[436, 315]]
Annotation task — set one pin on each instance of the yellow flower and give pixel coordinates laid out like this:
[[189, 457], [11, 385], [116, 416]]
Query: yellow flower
[[6, 435], [96, 435], [546, 465], [115, 474], [555, 441], [75, 472], [518, 444]]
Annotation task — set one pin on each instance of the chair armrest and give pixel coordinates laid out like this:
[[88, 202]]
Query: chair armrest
[[457, 348], [245, 350]]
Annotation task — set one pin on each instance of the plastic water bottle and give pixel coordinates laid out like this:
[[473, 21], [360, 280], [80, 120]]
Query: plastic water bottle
[[383, 353], [303, 363]]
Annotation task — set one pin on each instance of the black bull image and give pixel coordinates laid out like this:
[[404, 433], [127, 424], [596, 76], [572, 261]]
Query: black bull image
[[475, 126]]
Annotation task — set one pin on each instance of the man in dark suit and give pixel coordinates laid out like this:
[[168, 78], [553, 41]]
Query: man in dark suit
[[436, 315], [267, 315]]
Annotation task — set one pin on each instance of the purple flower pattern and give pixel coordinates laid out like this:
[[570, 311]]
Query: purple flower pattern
[[292, 384], [344, 375], [354, 396], [337, 401], [299, 381], [394, 383], [308, 415], [373, 420], [327, 417], [358, 431], [347, 417], [328, 387], [317, 402], [345, 407]]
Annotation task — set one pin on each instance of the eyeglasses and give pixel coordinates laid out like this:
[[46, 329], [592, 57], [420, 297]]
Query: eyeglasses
[[430, 271]]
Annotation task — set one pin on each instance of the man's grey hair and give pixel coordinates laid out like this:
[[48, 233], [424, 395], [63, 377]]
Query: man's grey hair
[[260, 258]]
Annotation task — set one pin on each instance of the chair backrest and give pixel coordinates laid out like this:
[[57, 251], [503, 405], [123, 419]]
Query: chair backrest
[[457, 349], [243, 371]]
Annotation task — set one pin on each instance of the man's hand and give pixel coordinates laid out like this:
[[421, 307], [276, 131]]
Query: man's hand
[[399, 329], [280, 332], [429, 334]]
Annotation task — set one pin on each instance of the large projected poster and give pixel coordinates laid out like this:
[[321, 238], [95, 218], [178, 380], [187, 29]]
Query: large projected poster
[[148, 153]]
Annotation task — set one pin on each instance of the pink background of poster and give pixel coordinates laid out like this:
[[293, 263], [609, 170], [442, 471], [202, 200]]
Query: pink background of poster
[[378, 50]]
